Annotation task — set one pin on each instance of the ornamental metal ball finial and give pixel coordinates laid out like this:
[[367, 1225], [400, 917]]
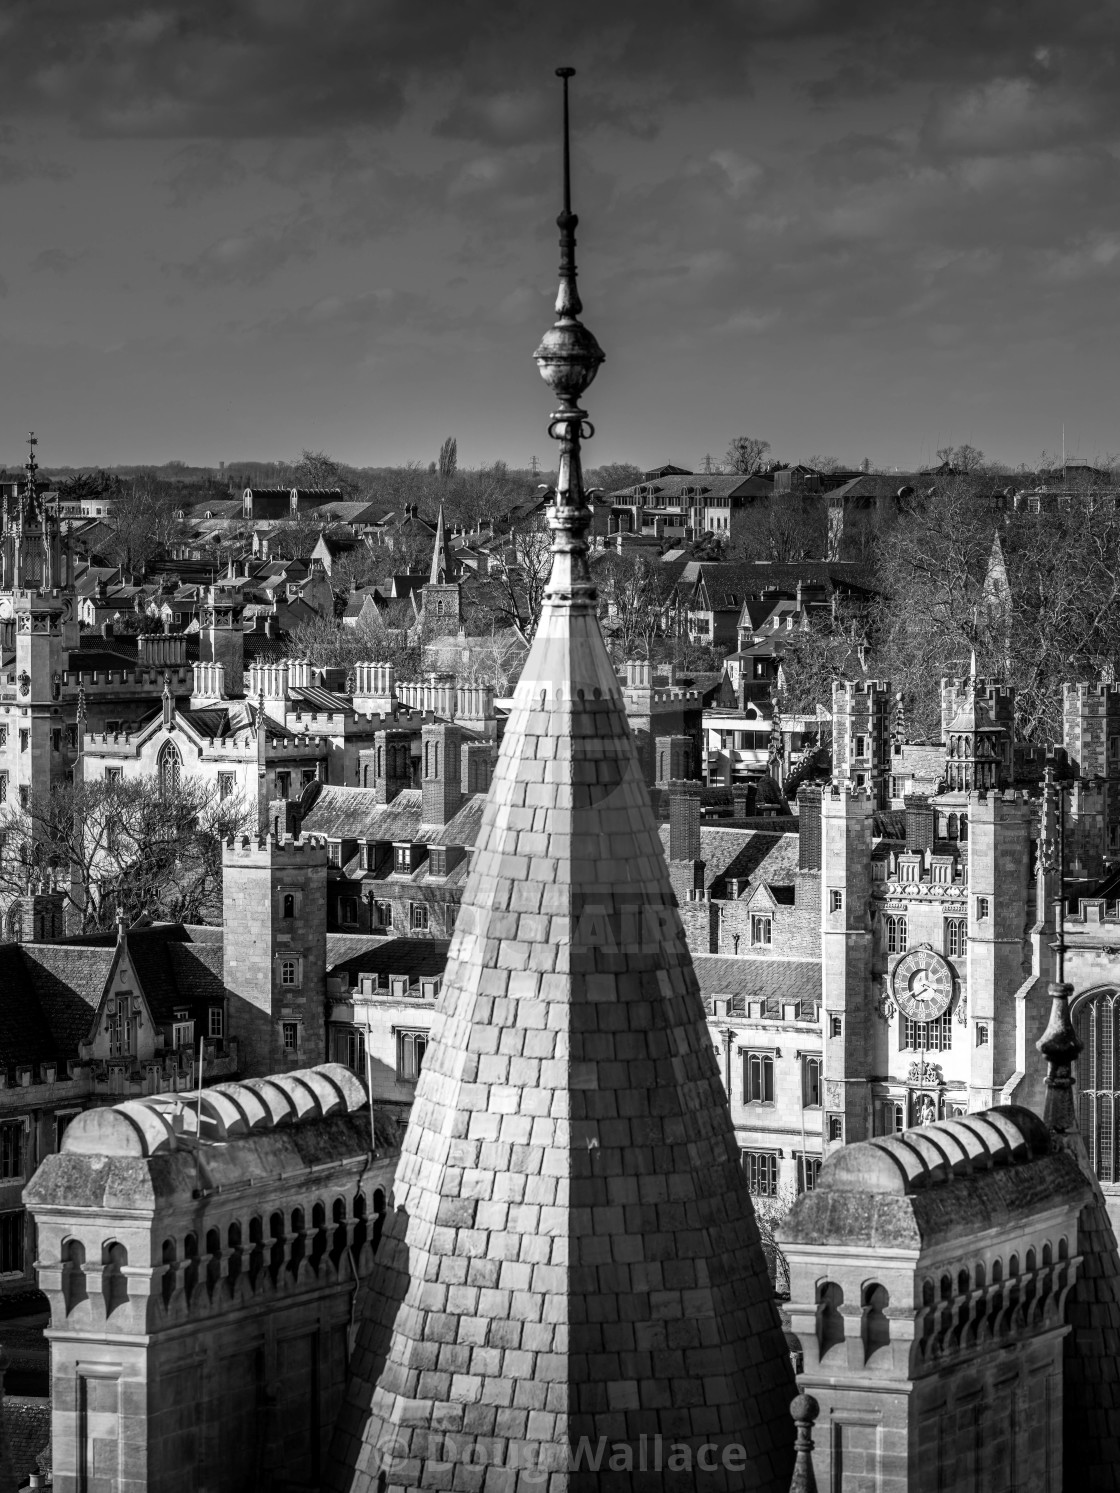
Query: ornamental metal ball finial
[[568, 356], [568, 359]]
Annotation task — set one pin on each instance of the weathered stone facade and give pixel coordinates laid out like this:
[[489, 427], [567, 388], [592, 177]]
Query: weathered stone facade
[[274, 917], [930, 1275], [201, 1293]]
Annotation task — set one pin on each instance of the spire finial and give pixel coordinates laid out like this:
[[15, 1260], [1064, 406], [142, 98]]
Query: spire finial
[[569, 359]]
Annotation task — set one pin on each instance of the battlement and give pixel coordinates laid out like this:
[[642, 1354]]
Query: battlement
[[332, 723], [1098, 695], [181, 679], [865, 693], [986, 688], [863, 797], [107, 739], [266, 850], [283, 745]]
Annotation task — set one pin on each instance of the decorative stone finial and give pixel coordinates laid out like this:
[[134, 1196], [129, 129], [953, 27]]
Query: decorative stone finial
[[804, 1410], [1059, 1045], [569, 358]]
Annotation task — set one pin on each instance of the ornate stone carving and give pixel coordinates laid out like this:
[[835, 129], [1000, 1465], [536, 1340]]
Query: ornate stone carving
[[925, 1072]]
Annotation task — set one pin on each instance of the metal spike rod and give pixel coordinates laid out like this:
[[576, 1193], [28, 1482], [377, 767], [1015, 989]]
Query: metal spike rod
[[568, 359]]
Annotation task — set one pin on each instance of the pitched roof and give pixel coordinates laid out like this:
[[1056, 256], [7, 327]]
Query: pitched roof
[[354, 814], [352, 954], [755, 855], [176, 974], [25, 1034], [67, 981], [672, 485], [772, 980], [730, 583]]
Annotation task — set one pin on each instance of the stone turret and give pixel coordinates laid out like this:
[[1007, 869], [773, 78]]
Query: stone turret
[[274, 913], [929, 1279], [201, 1297], [861, 721]]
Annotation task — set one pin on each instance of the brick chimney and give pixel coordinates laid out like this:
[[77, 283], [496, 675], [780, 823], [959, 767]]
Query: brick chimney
[[672, 759], [744, 797], [921, 822], [809, 828], [441, 772], [477, 766], [686, 869], [386, 767]]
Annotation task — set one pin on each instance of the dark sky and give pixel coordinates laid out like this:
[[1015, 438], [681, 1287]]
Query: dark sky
[[853, 227]]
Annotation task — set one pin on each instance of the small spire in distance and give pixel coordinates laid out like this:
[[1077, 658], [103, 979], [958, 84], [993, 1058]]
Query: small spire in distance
[[441, 555]]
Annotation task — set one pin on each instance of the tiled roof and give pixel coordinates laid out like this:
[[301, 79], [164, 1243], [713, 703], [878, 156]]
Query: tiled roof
[[27, 1427], [355, 814], [755, 855], [671, 486], [264, 649], [25, 1035], [730, 583], [175, 973], [68, 981], [315, 697], [354, 955], [748, 979]]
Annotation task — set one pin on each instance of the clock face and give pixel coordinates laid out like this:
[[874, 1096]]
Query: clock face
[[922, 984]]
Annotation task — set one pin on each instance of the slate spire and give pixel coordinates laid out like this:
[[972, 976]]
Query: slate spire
[[570, 1292], [441, 555]]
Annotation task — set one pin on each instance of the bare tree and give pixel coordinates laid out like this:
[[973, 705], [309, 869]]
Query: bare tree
[[317, 469], [636, 593], [614, 476], [392, 635], [448, 456], [133, 846], [745, 454], [964, 458], [520, 574], [143, 522]]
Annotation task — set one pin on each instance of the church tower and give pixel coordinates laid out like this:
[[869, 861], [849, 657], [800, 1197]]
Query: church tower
[[570, 1268], [442, 604]]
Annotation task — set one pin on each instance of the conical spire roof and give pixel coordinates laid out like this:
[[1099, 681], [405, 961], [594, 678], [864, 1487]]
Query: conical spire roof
[[441, 555], [571, 1262]]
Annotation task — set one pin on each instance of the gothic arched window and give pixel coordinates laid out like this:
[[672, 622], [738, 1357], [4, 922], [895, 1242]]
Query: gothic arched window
[[168, 767], [1096, 1019]]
